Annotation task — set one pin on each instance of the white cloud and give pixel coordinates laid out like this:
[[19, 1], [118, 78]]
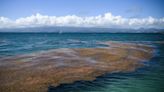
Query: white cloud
[[107, 20]]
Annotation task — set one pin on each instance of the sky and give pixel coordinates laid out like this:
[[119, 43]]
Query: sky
[[85, 13]]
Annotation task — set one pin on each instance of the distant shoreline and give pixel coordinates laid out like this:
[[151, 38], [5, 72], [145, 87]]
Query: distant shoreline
[[82, 30]]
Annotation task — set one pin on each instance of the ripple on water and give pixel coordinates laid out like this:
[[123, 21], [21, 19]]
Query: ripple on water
[[37, 71]]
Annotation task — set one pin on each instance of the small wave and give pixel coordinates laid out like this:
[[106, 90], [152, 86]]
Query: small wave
[[66, 65]]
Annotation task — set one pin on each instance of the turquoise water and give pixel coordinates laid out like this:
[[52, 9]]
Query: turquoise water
[[147, 79]]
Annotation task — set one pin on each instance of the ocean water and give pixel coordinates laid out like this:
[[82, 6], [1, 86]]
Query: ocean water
[[150, 78]]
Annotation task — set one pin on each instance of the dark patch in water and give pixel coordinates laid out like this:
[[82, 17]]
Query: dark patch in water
[[37, 71]]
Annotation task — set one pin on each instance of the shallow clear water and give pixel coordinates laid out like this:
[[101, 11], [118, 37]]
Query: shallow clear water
[[147, 79]]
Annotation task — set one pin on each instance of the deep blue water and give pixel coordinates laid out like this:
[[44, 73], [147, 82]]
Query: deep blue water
[[18, 43], [147, 79]]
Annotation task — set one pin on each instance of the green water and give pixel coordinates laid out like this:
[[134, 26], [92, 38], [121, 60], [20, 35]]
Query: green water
[[147, 79]]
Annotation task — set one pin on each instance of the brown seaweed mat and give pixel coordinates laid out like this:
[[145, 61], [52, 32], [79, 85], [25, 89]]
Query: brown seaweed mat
[[36, 71]]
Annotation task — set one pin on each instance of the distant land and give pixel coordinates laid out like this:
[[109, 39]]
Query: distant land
[[82, 30]]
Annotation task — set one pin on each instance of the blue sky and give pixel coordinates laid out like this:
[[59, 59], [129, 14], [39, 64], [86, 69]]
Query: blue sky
[[14, 9], [82, 13]]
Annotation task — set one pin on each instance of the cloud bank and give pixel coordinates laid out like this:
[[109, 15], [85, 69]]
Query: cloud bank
[[106, 20]]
